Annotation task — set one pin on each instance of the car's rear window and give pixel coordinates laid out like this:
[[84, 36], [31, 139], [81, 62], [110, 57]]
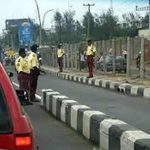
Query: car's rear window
[[5, 121]]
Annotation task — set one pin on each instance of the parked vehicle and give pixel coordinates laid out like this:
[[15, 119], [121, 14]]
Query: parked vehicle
[[16, 131], [120, 63]]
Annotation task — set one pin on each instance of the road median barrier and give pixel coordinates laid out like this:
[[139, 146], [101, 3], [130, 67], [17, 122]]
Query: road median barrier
[[107, 132], [129, 89]]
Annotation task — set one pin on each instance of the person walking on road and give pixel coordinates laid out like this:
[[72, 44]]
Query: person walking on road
[[60, 55], [90, 53], [34, 72]]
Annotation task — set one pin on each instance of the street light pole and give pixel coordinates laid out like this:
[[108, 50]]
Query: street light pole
[[44, 17], [89, 11], [40, 28], [149, 14]]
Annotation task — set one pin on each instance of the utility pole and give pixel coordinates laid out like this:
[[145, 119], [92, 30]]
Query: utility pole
[[40, 28], [111, 5], [149, 14], [89, 12]]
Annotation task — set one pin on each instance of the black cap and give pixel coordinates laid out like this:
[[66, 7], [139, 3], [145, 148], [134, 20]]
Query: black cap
[[89, 40], [21, 50], [34, 47]]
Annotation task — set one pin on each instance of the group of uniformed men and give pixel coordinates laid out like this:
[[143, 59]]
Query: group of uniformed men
[[90, 54], [28, 71], [28, 67]]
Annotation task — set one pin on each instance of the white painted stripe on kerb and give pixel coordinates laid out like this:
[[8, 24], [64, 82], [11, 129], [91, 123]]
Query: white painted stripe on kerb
[[63, 108], [66, 77], [134, 89], [74, 78], [84, 79], [112, 85], [104, 131], [147, 92], [74, 112], [48, 99], [42, 100], [70, 77], [128, 139], [63, 76], [104, 83], [90, 81], [97, 81], [79, 79], [86, 121], [54, 102]]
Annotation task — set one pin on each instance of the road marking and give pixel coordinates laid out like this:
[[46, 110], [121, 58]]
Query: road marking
[[36, 95]]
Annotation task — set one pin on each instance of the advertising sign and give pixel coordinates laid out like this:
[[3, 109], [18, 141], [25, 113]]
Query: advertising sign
[[26, 33]]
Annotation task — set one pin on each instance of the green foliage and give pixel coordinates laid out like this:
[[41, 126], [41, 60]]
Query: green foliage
[[102, 27]]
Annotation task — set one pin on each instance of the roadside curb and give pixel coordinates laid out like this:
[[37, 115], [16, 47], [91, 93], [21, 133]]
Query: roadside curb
[[129, 89], [104, 131]]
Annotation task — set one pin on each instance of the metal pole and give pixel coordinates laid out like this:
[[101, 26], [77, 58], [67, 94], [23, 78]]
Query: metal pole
[[149, 14], [89, 12], [44, 17], [114, 55], [142, 59], [128, 57], [40, 28]]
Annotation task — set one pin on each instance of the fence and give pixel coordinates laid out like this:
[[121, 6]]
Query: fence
[[114, 46]]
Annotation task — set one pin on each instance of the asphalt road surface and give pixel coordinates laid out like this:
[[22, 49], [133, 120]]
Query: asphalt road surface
[[133, 110], [52, 134]]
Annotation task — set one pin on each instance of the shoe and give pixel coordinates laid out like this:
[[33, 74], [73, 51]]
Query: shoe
[[35, 100], [90, 77], [27, 103]]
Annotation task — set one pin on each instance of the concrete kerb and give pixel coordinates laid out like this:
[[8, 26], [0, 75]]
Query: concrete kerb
[[135, 90], [96, 126]]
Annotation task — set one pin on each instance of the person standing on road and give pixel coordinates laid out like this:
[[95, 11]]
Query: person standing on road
[[60, 55], [90, 53], [22, 68], [34, 72]]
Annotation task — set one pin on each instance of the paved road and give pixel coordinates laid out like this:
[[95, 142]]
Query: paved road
[[133, 110], [52, 134]]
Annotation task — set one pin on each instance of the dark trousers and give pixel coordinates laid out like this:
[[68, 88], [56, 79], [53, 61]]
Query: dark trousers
[[24, 81], [90, 64], [33, 84], [60, 63]]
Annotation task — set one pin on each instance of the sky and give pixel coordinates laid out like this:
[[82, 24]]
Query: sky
[[14, 9]]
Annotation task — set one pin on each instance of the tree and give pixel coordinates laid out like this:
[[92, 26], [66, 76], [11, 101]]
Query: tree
[[132, 22], [59, 21], [91, 24], [69, 26]]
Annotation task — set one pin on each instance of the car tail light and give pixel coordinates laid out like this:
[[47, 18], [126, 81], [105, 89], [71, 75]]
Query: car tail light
[[23, 141]]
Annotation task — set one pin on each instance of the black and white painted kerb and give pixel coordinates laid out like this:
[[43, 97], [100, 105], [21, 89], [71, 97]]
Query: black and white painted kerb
[[106, 132], [135, 90]]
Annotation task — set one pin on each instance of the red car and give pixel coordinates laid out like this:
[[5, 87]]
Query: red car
[[16, 131]]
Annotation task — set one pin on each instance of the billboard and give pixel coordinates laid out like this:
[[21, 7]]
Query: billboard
[[26, 33]]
